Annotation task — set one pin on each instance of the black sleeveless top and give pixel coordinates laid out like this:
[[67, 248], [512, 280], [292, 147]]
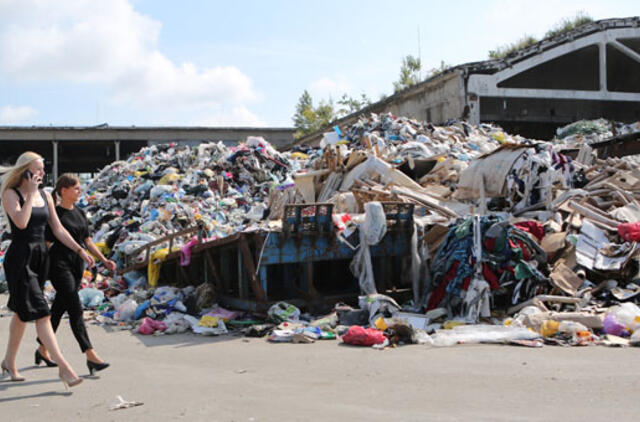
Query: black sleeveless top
[[35, 230], [26, 264]]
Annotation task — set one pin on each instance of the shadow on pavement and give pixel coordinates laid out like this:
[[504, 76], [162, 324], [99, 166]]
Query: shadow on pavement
[[183, 340], [34, 396]]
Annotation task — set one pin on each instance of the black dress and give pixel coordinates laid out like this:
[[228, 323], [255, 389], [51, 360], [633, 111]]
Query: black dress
[[66, 274], [26, 264]]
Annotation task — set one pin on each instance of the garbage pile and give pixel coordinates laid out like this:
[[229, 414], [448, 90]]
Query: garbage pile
[[549, 228], [165, 188], [582, 134], [364, 158], [512, 241], [590, 131]]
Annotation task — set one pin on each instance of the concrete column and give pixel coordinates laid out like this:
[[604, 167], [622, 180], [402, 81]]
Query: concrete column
[[54, 170], [603, 66], [117, 144]]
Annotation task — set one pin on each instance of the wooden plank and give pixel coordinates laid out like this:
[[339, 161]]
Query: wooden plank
[[249, 265], [213, 268]]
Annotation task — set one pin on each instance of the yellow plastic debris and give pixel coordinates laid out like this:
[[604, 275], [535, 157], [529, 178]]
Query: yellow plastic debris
[[499, 136], [381, 324], [208, 321], [168, 178], [450, 324], [153, 269], [549, 328]]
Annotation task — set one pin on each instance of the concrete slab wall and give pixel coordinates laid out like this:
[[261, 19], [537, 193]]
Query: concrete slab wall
[[435, 103]]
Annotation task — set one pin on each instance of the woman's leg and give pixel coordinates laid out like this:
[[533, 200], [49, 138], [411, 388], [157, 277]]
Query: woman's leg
[[62, 281], [16, 332], [74, 308], [48, 338], [58, 308]]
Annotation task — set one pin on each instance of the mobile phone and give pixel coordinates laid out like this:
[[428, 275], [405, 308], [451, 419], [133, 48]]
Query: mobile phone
[[27, 174]]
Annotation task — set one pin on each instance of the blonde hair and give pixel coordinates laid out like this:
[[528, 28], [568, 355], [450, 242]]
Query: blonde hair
[[12, 175]]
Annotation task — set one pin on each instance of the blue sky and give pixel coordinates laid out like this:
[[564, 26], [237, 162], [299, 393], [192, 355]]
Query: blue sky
[[244, 63]]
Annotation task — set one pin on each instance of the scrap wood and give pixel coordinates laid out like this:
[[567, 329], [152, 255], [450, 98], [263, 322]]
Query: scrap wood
[[355, 158], [594, 183], [539, 302], [594, 216], [330, 186], [598, 211], [425, 200]]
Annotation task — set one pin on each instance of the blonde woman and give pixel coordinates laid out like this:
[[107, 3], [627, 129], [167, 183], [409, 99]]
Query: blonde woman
[[26, 261]]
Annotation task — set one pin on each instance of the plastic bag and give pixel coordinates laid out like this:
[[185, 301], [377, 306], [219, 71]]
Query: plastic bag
[[481, 334], [283, 311], [371, 232], [127, 310], [117, 301], [360, 336], [611, 325], [150, 326], [90, 297], [628, 314], [629, 231], [421, 337]]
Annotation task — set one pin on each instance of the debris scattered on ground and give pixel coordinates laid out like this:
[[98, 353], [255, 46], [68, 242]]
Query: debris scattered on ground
[[123, 404]]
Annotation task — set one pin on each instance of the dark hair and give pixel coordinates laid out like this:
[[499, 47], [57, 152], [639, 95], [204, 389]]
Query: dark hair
[[67, 180]]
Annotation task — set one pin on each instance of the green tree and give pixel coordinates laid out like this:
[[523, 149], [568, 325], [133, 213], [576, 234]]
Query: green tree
[[304, 108], [348, 104], [409, 73], [308, 119]]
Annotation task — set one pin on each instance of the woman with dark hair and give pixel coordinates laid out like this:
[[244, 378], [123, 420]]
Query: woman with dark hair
[[66, 270], [28, 209]]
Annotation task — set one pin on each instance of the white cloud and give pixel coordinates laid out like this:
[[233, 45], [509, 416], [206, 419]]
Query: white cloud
[[324, 88], [110, 43], [13, 115], [158, 82], [236, 116]]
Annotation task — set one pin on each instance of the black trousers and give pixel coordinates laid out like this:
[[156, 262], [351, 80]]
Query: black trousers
[[67, 300]]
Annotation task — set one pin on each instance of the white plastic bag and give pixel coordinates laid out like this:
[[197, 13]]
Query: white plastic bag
[[371, 232], [90, 297], [127, 310], [481, 333], [628, 314]]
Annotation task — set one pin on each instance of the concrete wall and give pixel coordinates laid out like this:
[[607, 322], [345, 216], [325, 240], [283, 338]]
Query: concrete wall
[[435, 102]]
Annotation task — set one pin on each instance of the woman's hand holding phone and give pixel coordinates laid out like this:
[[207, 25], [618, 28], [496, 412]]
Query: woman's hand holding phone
[[34, 181]]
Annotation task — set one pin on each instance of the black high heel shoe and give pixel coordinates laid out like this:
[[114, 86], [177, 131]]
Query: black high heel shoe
[[93, 366], [39, 358]]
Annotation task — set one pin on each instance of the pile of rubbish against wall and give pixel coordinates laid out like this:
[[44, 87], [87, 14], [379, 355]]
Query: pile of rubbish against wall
[[482, 226]]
